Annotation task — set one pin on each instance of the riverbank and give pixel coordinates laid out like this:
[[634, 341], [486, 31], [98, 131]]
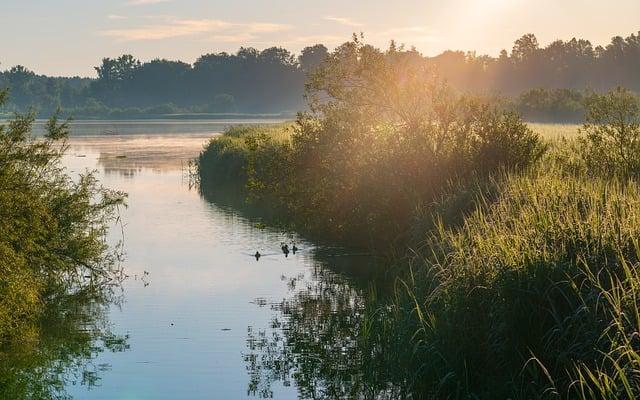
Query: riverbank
[[514, 256], [506, 281]]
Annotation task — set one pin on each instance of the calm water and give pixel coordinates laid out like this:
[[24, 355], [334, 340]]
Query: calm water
[[199, 317]]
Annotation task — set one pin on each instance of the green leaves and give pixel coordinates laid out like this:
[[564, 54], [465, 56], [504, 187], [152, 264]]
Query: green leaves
[[611, 134], [55, 129], [52, 228]]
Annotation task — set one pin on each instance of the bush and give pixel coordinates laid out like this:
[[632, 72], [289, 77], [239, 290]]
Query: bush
[[227, 158], [52, 228], [611, 134], [383, 137]]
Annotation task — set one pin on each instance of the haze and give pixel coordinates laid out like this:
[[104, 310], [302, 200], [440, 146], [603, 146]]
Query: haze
[[69, 37]]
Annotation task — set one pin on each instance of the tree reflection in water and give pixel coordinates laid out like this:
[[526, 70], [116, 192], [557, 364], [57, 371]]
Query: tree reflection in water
[[327, 340], [61, 349], [330, 338]]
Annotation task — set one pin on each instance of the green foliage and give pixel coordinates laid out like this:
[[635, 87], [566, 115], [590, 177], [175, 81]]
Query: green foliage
[[52, 228], [383, 137], [534, 295], [611, 142]]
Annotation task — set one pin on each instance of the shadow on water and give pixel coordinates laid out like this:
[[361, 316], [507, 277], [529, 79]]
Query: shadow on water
[[327, 338], [60, 350]]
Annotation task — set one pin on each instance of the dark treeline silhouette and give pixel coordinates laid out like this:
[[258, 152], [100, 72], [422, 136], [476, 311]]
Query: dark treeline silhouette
[[249, 81], [573, 64], [547, 83]]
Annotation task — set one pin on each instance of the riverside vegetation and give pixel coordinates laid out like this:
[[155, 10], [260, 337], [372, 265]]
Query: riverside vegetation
[[57, 273], [515, 257]]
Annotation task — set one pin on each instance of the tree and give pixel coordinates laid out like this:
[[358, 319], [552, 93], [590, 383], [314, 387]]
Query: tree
[[118, 69], [312, 56], [525, 47], [611, 134]]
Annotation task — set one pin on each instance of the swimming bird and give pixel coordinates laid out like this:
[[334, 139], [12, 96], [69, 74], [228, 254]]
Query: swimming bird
[[294, 248], [258, 255], [285, 250]]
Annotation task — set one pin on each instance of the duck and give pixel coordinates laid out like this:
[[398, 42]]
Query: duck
[[294, 248], [257, 255]]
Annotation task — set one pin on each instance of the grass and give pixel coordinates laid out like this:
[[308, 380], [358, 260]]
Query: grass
[[520, 285], [555, 131], [277, 132], [533, 295], [224, 159]]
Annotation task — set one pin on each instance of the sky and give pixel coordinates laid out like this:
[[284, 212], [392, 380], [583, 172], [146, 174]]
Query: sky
[[70, 37]]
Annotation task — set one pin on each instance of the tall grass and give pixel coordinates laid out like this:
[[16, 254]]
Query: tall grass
[[555, 132], [225, 159], [533, 295]]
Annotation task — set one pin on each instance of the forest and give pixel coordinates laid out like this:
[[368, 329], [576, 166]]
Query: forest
[[543, 83]]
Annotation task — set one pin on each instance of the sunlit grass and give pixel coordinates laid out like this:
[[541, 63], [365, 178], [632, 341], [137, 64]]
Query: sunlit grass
[[535, 291], [555, 131], [278, 132]]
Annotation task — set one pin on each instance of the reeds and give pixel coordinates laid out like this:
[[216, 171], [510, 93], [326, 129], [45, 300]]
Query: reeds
[[534, 293]]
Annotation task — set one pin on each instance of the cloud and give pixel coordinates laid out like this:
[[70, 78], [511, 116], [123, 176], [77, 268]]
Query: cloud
[[342, 20], [238, 38], [173, 28], [116, 17], [145, 2]]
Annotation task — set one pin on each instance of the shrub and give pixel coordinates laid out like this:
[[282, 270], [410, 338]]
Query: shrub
[[383, 137], [226, 159], [611, 134], [52, 228]]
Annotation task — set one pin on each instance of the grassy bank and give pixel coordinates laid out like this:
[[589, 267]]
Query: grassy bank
[[534, 295], [514, 247], [520, 285]]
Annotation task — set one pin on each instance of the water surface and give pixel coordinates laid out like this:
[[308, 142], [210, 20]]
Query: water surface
[[199, 317]]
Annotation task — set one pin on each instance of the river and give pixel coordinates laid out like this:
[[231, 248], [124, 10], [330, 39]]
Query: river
[[198, 316]]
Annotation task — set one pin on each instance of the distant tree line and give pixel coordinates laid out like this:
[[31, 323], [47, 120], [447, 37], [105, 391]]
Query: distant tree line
[[249, 81], [574, 64], [547, 83]]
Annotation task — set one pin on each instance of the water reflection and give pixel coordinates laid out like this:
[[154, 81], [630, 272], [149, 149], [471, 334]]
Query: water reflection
[[127, 155], [167, 127], [321, 341], [61, 351], [213, 322], [326, 336]]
